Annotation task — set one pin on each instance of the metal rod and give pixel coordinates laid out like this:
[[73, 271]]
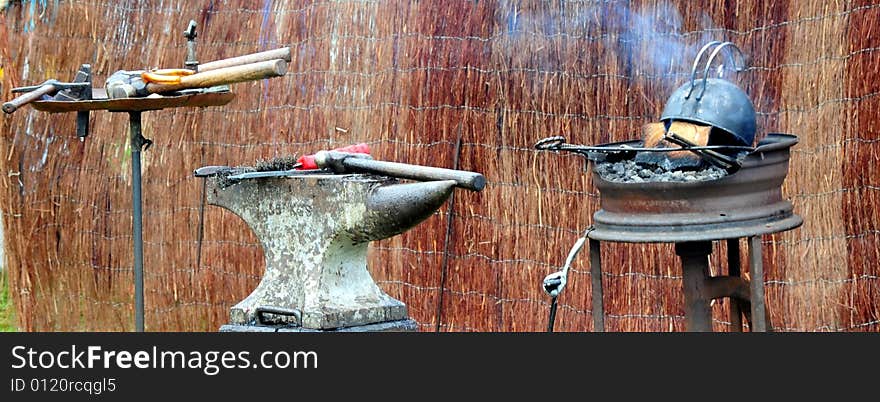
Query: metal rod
[[756, 268], [137, 141], [733, 269], [552, 320], [715, 158], [695, 275], [467, 180], [445, 264], [596, 279], [201, 227]]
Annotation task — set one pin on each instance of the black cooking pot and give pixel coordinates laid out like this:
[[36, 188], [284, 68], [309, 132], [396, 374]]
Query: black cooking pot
[[714, 101]]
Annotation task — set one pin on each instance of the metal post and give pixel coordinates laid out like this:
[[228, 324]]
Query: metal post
[[596, 279], [733, 269], [137, 143], [552, 320], [447, 239], [756, 268], [695, 275]]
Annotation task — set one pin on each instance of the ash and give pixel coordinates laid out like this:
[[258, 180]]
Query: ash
[[632, 172]]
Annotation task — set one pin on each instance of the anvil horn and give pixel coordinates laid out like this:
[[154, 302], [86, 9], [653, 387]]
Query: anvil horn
[[395, 208]]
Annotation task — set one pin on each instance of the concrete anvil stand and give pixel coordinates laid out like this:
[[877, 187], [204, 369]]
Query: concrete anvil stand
[[315, 229]]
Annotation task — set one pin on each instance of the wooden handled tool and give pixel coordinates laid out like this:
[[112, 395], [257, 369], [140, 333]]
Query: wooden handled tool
[[281, 53], [342, 162], [29, 97], [224, 76], [34, 93]]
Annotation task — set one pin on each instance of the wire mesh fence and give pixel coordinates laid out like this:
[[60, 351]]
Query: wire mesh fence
[[426, 83]]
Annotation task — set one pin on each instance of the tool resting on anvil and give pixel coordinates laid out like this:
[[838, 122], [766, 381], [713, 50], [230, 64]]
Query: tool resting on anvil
[[357, 159], [315, 226], [342, 162], [304, 164]]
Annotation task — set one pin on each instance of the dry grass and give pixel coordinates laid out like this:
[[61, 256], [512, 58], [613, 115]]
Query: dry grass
[[412, 79], [7, 312]]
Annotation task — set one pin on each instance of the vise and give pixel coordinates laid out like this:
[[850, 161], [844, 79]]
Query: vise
[[314, 227]]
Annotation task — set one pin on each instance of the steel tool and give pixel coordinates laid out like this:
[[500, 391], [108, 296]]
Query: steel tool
[[341, 162]]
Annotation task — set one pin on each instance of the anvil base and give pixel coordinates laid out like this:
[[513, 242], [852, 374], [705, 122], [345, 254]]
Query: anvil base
[[406, 325]]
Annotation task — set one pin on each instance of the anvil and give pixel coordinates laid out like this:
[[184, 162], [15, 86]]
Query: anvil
[[314, 230]]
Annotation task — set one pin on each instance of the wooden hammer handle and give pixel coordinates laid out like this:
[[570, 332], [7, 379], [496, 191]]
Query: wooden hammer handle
[[29, 97], [224, 76], [282, 53]]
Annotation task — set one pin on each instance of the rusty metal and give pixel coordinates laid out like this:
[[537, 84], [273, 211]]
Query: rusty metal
[[101, 102], [261, 311], [624, 149], [190, 34], [695, 275], [208, 171], [756, 269], [37, 92], [733, 270], [596, 280], [82, 118], [746, 203], [717, 159]]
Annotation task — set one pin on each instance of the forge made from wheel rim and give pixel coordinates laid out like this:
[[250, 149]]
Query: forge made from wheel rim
[[746, 203]]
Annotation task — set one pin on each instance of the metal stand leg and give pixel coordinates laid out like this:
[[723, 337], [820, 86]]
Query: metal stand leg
[[138, 142], [695, 275], [733, 264], [756, 267], [596, 279]]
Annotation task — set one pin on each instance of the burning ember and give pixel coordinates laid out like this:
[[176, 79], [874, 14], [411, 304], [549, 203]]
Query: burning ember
[[671, 166]]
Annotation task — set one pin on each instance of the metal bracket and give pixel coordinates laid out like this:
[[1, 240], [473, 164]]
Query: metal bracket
[[191, 62], [260, 311], [84, 75], [139, 142]]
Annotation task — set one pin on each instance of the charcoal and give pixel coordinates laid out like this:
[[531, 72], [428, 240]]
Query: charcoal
[[633, 172]]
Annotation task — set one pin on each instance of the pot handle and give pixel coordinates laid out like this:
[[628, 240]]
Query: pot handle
[[718, 47]]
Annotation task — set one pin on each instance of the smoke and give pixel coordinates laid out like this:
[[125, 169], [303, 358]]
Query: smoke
[[652, 41]]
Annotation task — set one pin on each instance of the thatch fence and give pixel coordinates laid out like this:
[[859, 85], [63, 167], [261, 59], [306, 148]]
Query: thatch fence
[[420, 81]]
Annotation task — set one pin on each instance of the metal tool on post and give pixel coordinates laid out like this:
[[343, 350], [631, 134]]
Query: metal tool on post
[[79, 89], [134, 92], [191, 62]]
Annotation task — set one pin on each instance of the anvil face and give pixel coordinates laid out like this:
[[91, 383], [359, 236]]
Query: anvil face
[[315, 230]]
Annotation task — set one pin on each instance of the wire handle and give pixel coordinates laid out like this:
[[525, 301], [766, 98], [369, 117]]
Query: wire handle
[[718, 46]]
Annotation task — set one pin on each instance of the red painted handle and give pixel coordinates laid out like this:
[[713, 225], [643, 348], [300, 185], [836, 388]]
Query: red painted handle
[[308, 161]]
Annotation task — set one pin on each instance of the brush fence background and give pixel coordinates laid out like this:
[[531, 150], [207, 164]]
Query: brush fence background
[[430, 82]]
